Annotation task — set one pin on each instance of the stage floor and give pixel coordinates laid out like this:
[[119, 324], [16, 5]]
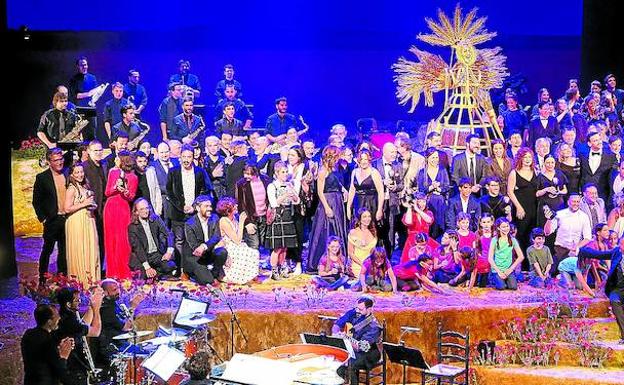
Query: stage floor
[[274, 313]]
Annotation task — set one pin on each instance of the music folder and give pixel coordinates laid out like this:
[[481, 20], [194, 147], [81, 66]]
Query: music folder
[[321, 339]]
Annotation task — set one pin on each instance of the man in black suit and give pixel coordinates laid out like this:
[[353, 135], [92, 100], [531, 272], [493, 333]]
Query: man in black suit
[[598, 166], [614, 287], [390, 171], [205, 254], [470, 164], [96, 173], [493, 202], [234, 171], [150, 241], [119, 142], [466, 203], [162, 165], [48, 201], [45, 360], [184, 183], [253, 186], [543, 126]]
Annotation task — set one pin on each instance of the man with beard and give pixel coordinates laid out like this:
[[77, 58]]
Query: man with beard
[[128, 125], [278, 124], [119, 143], [148, 183], [96, 173], [184, 183], [116, 319], [215, 166], [45, 361], [206, 254], [186, 123], [135, 92], [169, 108], [186, 78]]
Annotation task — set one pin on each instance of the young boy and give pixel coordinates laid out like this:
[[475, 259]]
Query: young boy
[[540, 259]]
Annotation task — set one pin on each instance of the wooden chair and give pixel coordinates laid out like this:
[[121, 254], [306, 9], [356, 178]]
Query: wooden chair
[[453, 347], [377, 374]]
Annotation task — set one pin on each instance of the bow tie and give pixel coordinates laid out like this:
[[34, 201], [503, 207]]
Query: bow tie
[[595, 153], [388, 164]]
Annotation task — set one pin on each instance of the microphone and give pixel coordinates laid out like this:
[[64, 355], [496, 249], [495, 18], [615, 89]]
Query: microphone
[[127, 313], [411, 329]]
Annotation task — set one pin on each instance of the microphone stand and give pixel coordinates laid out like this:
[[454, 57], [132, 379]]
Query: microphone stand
[[233, 319]]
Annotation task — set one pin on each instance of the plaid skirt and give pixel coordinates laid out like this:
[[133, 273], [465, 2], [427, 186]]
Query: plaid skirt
[[282, 232]]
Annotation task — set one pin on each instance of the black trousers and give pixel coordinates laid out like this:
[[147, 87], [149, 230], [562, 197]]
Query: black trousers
[[387, 228], [561, 253], [199, 268], [53, 233], [363, 361], [177, 227], [616, 298], [163, 268]]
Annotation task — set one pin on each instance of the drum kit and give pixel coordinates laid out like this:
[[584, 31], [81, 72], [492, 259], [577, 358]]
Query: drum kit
[[127, 366]]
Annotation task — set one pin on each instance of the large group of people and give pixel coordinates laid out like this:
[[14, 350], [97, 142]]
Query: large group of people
[[357, 214]]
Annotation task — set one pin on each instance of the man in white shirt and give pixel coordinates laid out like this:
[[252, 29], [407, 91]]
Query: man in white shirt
[[573, 228]]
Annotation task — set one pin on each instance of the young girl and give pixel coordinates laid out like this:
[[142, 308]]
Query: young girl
[[500, 256], [424, 274], [466, 237], [445, 260], [376, 273], [466, 264], [417, 219], [332, 269], [482, 246], [406, 270]]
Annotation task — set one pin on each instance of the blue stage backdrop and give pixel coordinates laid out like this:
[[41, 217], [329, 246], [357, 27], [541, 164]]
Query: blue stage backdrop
[[331, 59]]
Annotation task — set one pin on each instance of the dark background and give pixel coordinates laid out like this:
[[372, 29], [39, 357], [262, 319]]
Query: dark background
[[331, 59]]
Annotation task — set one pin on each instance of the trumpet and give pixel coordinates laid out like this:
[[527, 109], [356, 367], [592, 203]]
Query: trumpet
[[97, 94]]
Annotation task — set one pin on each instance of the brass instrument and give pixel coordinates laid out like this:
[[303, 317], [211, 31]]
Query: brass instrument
[[97, 94], [199, 129], [135, 142], [74, 135]]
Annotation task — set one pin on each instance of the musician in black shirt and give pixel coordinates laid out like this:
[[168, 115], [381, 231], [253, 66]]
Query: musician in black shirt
[[45, 360], [56, 122], [79, 362]]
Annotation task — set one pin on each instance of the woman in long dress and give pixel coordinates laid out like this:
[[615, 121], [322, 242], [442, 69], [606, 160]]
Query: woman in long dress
[[120, 192], [417, 219], [83, 254], [433, 180], [243, 261], [522, 187], [281, 235], [499, 165], [362, 240], [330, 214], [366, 188]]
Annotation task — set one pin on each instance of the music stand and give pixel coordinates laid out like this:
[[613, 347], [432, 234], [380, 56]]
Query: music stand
[[322, 339], [406, 356]]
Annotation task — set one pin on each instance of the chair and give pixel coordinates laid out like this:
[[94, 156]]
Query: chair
[[377, 374], [453, 347]]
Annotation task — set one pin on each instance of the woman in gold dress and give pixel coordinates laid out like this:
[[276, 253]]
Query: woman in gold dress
[[83, 260], [362, 240]]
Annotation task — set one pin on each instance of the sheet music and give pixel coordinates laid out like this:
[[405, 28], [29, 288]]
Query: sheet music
[[164, 362], [257, 370]]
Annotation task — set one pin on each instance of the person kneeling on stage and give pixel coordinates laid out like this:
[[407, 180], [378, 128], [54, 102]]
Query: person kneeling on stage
[[204, 251], [151, 243], [366, 336]]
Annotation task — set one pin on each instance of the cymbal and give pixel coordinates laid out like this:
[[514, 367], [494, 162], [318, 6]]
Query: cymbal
[[196, 319], [165, 340], [131, 335]]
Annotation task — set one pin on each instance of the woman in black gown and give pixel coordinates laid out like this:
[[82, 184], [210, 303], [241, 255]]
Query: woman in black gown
[[366, 188], [522, 189]]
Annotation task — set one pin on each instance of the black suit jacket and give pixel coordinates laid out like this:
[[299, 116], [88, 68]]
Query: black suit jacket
[[42, 363], [601, 178], [397, 171], [163, 238], [44, 196], [455, 207], [615, 255], [245, 198], [459, 168], [96, 176], [195, 235], [233, 173], [536, 131], [175, 192]]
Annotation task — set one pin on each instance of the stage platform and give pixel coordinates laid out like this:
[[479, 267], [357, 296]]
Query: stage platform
[[274, 313]]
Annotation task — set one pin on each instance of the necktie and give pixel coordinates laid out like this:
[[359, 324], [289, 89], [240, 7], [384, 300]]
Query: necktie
[[61, 125], [594, 214], [472, 170], [595, 153]]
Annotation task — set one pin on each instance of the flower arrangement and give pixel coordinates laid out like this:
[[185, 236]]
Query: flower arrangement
[[284, 297], [314, 295], [592, 355], [31, 148], [48, 291]]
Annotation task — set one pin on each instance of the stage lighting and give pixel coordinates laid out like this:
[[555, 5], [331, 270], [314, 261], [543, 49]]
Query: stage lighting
[[25, 33]]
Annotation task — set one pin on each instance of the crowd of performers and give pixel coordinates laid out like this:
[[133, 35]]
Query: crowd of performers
[[358, 214]]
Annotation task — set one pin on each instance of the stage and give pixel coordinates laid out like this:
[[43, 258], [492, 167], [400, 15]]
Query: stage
[[275, 313]]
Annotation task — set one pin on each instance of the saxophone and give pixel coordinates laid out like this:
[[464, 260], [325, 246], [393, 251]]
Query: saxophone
[[92, 371], [74, 135], [199, 129], [97, 94], [135, 142]]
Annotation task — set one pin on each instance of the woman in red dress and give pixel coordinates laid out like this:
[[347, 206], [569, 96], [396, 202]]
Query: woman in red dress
[[417, 219], [120, 191]]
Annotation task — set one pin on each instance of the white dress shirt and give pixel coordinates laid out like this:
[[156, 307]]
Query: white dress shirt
[[188, 186], [572, 228], [594, 160]]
